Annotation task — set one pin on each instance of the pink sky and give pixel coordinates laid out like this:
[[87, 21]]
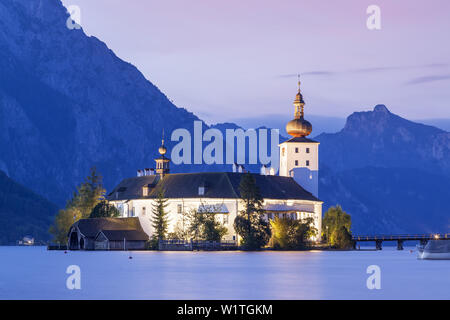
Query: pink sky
[[229, 59]]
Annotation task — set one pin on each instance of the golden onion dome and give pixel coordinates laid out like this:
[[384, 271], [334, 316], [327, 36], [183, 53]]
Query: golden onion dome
[[162, 150], [299, 128]]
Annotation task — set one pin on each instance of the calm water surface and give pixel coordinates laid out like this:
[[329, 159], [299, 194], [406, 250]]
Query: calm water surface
[[35, 273]]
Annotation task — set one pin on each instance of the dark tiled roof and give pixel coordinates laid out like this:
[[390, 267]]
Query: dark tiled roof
[[91, 227], [131, 188], [222, 185], [301, 139], [128, 235]]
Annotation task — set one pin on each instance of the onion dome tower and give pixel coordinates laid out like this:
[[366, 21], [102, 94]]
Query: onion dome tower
[[299, 156], [162, 163], [299, 127]]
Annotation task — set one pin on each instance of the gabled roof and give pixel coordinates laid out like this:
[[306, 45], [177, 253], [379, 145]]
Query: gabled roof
[[120, 235], [91, 227], [301, 139], [222, 185]]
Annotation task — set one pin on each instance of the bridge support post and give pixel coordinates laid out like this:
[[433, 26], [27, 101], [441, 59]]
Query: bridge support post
[[378, 244], [399, 244]]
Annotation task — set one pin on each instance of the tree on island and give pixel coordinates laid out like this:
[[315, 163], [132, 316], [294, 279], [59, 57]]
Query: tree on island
[[336, 228], [249, 224], [203, 224], [160, 220], [290, 234], [80, 206], [104, 210]]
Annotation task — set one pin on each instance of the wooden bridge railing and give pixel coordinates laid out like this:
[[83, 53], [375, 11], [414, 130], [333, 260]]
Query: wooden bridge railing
[[405, 237]]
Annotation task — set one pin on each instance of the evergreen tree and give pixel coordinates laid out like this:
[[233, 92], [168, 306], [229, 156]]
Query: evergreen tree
[[160, 221], [80, 206], [249, 224], [104, 210]]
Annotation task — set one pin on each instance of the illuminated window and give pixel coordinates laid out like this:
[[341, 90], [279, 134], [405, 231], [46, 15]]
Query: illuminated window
[[282, 152]]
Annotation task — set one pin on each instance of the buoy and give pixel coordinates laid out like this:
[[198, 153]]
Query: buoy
[[130, 257]]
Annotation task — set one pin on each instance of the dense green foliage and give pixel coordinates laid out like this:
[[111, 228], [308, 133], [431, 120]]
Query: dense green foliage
[[23, 213], [289, 234], [204, 226], [336, 228], [249, 224], [160, 220], [84, 200], [104, 210]]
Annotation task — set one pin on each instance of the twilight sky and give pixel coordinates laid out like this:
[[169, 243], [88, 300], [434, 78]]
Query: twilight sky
[[225, 60]]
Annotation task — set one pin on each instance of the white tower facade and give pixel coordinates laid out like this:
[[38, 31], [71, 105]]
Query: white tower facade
[[299, 159], [299, 156]]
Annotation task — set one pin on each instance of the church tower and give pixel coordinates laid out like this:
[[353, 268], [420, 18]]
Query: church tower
[[162, 163], [299, 156]]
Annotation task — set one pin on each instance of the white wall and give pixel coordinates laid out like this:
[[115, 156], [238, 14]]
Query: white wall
[[305, 175], [233, 206]]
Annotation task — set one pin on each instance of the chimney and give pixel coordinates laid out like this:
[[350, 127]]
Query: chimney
[[272, 171], [264, 170], [139, 173]]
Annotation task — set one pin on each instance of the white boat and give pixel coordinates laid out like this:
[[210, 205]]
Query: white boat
[[434, 250]]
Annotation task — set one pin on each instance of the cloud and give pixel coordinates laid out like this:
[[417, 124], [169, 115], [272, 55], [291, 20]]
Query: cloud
[[309, 73], [426, 79], [394, 68], [363, 70]]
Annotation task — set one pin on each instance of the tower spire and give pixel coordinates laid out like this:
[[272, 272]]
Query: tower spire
[[162, 163], [299, 127], [299, 103]]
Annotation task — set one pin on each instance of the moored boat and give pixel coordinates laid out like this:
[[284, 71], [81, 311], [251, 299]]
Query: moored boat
[[434, 250]]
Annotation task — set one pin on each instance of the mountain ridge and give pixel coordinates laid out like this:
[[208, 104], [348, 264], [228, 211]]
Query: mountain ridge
[[382, 139]]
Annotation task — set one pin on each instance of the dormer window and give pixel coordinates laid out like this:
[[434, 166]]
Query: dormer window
[[202, 189], [145, 191]]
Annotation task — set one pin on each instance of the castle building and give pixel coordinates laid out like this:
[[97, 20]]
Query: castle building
[[293, 193]]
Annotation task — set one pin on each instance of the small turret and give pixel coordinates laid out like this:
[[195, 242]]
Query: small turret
[[299, 127], [162, 163]]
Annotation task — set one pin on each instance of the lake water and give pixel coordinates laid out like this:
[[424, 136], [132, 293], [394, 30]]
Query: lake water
[[35, 273]]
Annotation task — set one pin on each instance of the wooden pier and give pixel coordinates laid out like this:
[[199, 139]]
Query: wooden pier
[[400, 238]]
